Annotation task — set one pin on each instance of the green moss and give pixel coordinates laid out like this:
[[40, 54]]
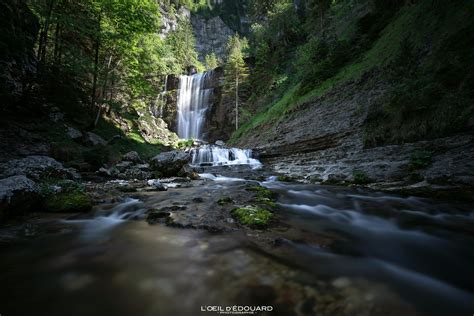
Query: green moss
[[360, 177], [225, 200], [65, 202], [285, 179], [266, 201], [252, 216], [262, 192], [420, 159]]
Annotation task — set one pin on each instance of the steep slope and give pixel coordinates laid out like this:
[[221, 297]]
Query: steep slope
[[372, 120]]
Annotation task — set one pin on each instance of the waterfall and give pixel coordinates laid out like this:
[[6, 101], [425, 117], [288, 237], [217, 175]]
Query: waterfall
[[221, 156], [193, 102]]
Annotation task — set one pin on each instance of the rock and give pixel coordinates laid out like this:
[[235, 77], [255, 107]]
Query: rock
[[169, 164], [37, 168], [156, 216], [18, 194], [132, 156], [92, 139], [156, 184], [143, 167], [135, 173], [124, 165], [220, 143], [68, 202], [188, 171], [73, 133]]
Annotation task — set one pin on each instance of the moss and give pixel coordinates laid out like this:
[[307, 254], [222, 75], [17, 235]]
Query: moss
[[360, 177], [225, 200], [285, 179], [420, 159], [261, 191], [266, 201], [252, 216], [65, 202]]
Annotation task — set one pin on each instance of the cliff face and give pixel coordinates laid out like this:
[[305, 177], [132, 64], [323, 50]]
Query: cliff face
[[211, 35]]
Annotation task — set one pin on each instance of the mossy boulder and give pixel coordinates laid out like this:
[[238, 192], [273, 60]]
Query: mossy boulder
[[68, 202], [65, 197], [252, 216]]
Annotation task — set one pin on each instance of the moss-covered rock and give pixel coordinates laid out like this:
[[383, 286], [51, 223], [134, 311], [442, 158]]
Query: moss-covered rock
[[225, 200], [262, 192], [68, 202], [252, 216]]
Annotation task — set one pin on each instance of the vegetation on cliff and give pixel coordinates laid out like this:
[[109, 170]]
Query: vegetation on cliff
[[419, 49]]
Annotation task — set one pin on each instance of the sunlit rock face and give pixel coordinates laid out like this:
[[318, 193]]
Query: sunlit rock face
[[211, 36]]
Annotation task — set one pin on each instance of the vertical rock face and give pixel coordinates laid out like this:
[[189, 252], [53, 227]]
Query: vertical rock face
[[211, 35], [18, 30], [170, 21]]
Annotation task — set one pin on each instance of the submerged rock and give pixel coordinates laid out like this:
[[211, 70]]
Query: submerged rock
[[18, 194], [170, 163]]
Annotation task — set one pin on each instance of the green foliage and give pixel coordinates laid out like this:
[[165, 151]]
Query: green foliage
[[252, 216], [211, 61], [360, 177]]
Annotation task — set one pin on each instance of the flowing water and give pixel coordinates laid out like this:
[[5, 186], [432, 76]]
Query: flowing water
[[193, 102], [209, 155], [337, 250]]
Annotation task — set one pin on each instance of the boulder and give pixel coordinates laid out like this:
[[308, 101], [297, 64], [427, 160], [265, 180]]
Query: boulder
[[73, 133], [169, 164], [92, 139], [157, 185], [37, 168], [132, 156], [220, 143], [18, 194]]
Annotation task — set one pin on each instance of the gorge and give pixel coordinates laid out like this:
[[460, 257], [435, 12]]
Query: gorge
[[346, 188]]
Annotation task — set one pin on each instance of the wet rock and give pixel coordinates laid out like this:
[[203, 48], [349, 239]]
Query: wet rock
[[188, 171], [37, 168], [170, 163], [157, 216], [132, 156], [220, 143], [157, 185], [18, 194], [198, 200], [92, 139]]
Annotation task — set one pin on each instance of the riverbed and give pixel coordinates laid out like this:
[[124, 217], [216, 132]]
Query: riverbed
[[329, 251]]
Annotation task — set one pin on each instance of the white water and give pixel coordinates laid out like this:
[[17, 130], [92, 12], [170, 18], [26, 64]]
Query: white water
[[193, 102], [221, 156]]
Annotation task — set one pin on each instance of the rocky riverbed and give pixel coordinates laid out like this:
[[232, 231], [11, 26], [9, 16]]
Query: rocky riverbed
[[177, 245]]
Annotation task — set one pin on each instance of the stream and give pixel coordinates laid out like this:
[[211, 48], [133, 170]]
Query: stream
[[334, 251]]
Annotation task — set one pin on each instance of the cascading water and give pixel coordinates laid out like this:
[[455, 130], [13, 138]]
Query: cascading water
[[193, 102], [221, 156]]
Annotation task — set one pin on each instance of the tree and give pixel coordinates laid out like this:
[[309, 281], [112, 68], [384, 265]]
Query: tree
[[211, 61], [235, 70]]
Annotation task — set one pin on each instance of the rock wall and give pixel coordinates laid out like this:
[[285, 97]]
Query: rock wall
[[322, 141], [211, 36]]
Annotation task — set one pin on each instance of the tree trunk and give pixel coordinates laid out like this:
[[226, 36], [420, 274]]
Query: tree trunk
[[43, 40], [96, 68], [237, 102]]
